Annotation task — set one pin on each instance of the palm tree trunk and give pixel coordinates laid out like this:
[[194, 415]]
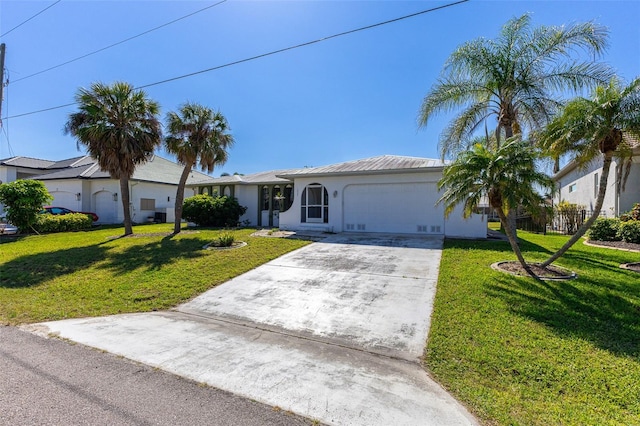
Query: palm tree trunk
[[596, 211], [124, 192], [180, 197], [513, 240]]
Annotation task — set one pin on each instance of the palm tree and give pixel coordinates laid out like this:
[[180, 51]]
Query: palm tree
[[120, 129], [196, 135], [589, 128], [505, 177], [511, 78]]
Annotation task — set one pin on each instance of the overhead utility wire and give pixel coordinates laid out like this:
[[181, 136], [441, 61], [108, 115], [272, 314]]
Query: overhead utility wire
[[118, 43], [265, 54], [24, 22], [302, 44]]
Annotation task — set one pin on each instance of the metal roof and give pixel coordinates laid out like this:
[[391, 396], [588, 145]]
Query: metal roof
[[157, 169], [373, 165], [31, 163], [268, 177]]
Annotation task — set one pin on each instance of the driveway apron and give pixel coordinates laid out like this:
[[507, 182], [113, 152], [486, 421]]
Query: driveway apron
[[333, 331]]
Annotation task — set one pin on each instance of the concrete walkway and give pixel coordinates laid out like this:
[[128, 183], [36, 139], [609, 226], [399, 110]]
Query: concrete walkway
[[333, 331]]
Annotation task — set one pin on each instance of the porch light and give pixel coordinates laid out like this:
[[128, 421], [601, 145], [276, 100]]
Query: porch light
[[78, 196], [115, 196]]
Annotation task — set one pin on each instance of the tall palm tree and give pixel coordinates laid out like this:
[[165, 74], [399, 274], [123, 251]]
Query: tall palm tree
[[119, 128], [505, 177], [196, 135], [591, 128], [513, 78]]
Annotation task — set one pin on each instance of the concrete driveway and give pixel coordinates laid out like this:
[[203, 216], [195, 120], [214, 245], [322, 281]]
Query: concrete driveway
[[333, 331]]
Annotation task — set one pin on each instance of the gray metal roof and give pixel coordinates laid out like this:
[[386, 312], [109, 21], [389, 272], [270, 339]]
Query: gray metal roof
[[381, 164], [157, 169], [268, 177], [31, 163]]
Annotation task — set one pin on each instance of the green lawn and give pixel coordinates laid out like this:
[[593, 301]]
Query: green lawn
[[521, 352], [79, 274]]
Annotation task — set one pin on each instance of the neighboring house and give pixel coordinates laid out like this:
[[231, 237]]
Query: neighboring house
[[380, 194], [580, 185], [79, 184]]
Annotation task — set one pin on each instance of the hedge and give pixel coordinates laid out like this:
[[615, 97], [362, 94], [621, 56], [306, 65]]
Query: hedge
[[48, 223]]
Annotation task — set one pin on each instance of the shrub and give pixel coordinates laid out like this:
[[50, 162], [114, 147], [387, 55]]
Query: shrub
[[633, 214], [630, 231], [48, 223], [205, 210], [23, 200], [604, 229]]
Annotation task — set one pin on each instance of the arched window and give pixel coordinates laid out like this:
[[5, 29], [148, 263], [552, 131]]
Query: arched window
[[226, 191], [314, 204]]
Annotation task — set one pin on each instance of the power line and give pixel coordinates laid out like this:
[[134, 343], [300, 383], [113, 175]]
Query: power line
[[308, 43], [118, 43], [267, 54], [24, 22]]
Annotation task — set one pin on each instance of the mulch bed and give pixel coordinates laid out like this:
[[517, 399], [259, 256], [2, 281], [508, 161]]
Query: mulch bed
[[551, 272], [635, 267], [620, 245]]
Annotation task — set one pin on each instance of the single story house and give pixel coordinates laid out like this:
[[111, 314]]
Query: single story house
[[388, 193], [79, 184], [580, 185]]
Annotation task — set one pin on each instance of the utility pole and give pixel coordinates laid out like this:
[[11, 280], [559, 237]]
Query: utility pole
[[2, 48]]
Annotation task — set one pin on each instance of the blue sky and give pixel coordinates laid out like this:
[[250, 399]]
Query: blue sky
[[346, 98]]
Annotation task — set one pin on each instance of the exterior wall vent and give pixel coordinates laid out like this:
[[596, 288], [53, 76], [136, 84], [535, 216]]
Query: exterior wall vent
[[422, 228], [350, 227], [435, 229], [361, 227]]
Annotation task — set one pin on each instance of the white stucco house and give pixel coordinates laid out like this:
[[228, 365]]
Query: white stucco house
[[79, 184], [381, 194], [580, 185]]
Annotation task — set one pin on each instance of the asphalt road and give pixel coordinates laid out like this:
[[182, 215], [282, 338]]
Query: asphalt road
[[53, 382]]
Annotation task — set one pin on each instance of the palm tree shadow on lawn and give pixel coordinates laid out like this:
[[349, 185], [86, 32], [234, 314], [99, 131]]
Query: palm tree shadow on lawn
[[34, 269], [580, 308], [155, 255]]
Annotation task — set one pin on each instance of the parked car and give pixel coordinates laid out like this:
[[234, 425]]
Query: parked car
[[64, 210], [7, 228]]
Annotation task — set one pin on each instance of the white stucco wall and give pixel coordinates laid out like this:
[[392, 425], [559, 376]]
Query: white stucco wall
[[585, 190], [454, 226], [247, 196], [98, 196]]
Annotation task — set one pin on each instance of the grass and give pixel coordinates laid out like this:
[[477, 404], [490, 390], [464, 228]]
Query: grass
[[522, 352], [80, 274]]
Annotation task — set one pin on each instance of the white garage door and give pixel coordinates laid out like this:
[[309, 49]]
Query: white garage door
[[106, 206], [64, 199], [406, 208]]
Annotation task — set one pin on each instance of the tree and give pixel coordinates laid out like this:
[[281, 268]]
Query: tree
[[196, 135], [590, 128], [120, 129], [511, 78], [23, 200], [505, 177]]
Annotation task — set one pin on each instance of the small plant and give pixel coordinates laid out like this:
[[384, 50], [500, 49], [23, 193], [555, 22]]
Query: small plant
[[604, 229], [570, 216], [225, 240]]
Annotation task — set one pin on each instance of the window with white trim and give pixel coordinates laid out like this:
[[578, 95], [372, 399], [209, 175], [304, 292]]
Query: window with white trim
[[314, 204]]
